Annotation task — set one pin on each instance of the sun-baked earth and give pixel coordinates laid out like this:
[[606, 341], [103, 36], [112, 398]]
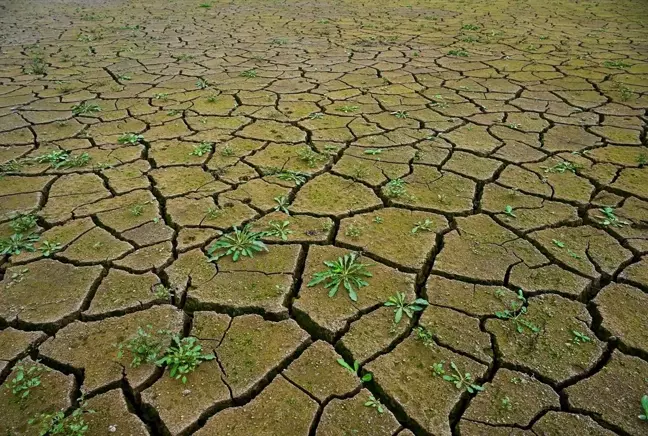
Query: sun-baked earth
[[483, 155]]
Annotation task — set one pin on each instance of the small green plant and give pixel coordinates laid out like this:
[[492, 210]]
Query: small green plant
[[279, 41], [353, 232], [470, 27], [462, 381], [316, 116], [161, 292], [378, 219], [183, 357], [23, 223], [396, 188], [125, 77], [282, 204], [625, 93], [372, 152], [506, 403], [161, 96], [214, 212], [130, 138], [310, 157], [580, 338], [642, 160], [508, 210], [348, 109], [55, 158], [355, 369], [616, 64], [174, 112], [459, 53], [609, 218], [59, 424], [345, 271], [516, 312], [205, 5], [372, 402], [202, 84], [279, 229], [249, 73], [400, 114], [291, 176], [37, 65], [48, 248], [644, 406], [403, 307], [422, 226], [227, 151], [144, 346], [137, 210], [437, 369], [562, 167], [26, 379], [202, 149], [242, 242], [17, 243], [212, 98], [85, 108], [424, 335], [75, 161]]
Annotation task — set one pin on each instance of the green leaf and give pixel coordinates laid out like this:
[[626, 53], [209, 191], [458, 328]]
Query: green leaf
[[367, 377]]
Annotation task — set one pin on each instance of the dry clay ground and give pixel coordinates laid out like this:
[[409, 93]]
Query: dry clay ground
[[489, 157]]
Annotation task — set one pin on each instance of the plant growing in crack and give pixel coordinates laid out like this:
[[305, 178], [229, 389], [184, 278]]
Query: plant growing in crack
[[23, 223], [282, 204], [346, 271], [562, 167], [239, 243], [202, 84], [462, 381], [279, 229], [373, 402], [310, 157], [144, 347], [609, 218], [424, 335], [85, 108], [516, 313], [249, 73], [202, 149], [355, 369], [27, 378], [47, 248], [644, 406], [316, 116], [395, 188], [183, 357], [58, 423], [401, 306], [17, 243], [400, 114], [130, 138], [291, 176]]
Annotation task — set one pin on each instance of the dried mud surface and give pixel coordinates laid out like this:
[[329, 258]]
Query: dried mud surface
[[500, 129]]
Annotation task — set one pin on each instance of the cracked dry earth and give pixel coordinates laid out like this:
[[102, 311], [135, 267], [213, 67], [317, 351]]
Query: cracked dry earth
[[500, 128]]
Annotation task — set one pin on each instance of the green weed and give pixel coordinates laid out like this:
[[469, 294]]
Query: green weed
[[462, 381], [516, 312], [202, 149], [130, 138], [345, 271], [316, 116], [403, 307], [355, 369], [22, 223], [422, 226], [609, 218], [353, 232], [348, 109], [400, 114], [48, 248], [249, 74], [26, 379], [137, 210], [459, 53], [282, 204], [644, 406], [424, 335], [580, 338], [59, 424], [508, 210], [616, 64], [183, 357], [372, 402], [562, 167], [310, 157], [85, 108], [144, 347], [242, 242], [202, 84], [279, 229], [372, 152], [17, 243], [291, 176]]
